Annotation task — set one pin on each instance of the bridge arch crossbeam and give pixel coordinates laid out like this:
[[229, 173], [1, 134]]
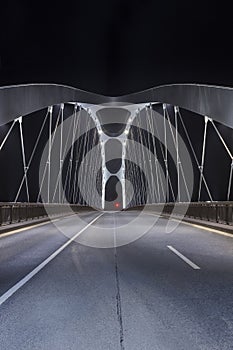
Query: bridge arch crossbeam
[[214, 103]]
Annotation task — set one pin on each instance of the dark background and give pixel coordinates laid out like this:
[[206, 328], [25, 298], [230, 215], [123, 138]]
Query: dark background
[[116, 46]]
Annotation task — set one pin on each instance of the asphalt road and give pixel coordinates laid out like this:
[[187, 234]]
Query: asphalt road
[[164, 291]]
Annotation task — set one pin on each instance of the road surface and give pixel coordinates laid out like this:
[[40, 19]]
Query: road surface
[[164, 291]]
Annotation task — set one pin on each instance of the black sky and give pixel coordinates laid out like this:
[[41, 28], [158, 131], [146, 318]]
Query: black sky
[[116, 46]]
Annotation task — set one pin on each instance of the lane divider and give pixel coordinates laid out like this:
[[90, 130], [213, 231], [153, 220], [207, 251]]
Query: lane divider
[[28, 277], [184, 258]]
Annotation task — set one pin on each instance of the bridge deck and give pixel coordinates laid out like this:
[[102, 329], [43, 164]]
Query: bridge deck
[[164, 291]]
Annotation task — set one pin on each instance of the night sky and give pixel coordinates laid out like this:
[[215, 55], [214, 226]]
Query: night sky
[[116, 47], [113, 48]]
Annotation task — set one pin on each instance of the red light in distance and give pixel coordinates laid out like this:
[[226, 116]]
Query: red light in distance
[[117, 205]]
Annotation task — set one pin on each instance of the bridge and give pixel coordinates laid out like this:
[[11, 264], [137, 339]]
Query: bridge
[[116, 218]]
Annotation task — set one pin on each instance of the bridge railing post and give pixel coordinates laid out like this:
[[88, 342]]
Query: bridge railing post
[[1, 214], [227, 214], [230, 214]]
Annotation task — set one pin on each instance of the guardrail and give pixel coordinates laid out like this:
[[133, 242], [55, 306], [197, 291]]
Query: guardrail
[[16, 212], [218, 212]]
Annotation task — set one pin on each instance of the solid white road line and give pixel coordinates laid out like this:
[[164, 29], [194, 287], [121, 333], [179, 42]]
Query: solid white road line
[[205, 228], [24, 229], [9, 233], [189, 262], [209, 229], [27, 278]]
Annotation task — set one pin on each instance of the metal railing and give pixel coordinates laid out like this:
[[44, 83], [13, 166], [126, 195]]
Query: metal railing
[[218, 212], [16, 212]]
